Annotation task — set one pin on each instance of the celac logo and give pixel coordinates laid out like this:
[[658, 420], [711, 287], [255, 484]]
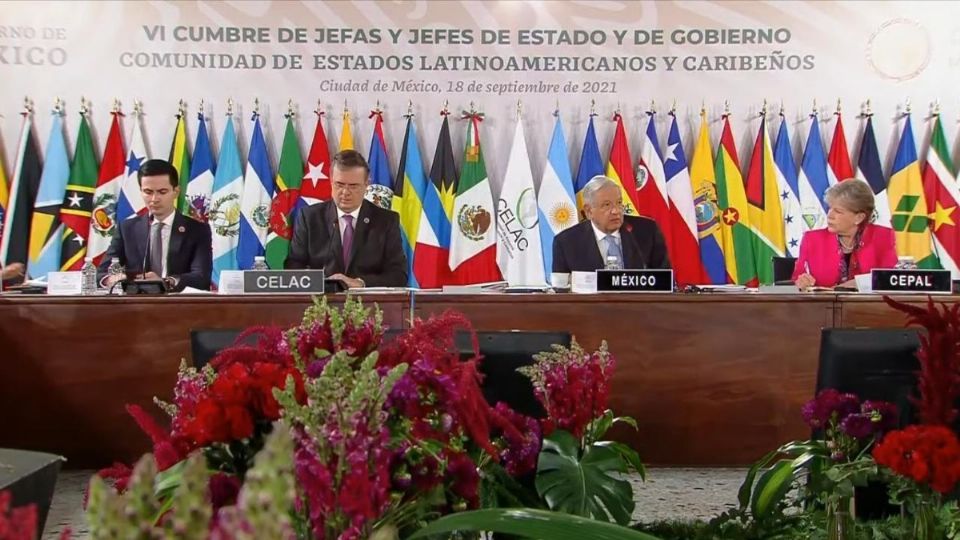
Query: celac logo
[[907, 217]]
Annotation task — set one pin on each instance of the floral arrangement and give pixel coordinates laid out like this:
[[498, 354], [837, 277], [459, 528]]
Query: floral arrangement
[[17, 523], [380, 437]]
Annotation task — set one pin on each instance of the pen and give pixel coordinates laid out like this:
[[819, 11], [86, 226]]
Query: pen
[[806, 267]]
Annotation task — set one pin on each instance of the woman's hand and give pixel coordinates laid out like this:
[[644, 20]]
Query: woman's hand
[[805, 281]]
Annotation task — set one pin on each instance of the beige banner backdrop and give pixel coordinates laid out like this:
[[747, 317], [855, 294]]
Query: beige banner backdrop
[[545, 54]]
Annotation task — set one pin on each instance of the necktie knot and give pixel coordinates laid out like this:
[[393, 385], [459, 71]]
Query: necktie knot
[[348, 220]]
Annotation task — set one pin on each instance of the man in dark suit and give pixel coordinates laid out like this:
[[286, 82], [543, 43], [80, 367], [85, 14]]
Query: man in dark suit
[[163, 243], [608, 235], [351, 239]]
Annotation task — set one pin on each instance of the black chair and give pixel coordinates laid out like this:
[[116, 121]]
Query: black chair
[[873, 364], [783, 270], [206, 343]]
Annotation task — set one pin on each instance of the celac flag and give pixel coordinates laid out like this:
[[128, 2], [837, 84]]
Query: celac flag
[[763, 205], [793, 224], [431, 254], [380, 190], [408, 196], [684, 239], [870, 170], [519, 254], [23, 192], [255, 203], [813, 181], [652, 198], [620, 167], [78, 200], [130, 203], [103, 221], [180, 159], [735, 226], [285, 199], [45, 227], [591, 164], [315, 186], [908, 206], [838, 160], [556, 200], [940, 190], [703, 180], [200, 185], [224, 217]]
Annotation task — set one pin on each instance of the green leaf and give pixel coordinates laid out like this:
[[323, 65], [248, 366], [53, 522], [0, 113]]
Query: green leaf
[[528, 523], [629, 455], [585, 486], [774, 485], [629, 420], [167, 481], [743, 496]]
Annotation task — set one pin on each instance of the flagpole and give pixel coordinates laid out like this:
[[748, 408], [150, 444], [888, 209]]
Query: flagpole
[[230, 107]]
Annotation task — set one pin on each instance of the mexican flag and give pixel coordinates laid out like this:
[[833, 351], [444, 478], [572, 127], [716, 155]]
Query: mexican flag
[[473, 246]]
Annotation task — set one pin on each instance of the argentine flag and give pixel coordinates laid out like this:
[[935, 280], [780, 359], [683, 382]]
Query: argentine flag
[[130, 202], [556, 202], [224, 216], [257, 196]]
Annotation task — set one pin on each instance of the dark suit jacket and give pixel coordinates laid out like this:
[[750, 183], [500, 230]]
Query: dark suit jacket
[[576, 250], [189, 256], [377, 256]]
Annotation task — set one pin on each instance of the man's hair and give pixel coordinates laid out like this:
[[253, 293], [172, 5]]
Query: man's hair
[[595, 184], [158, 167], [350, 159]]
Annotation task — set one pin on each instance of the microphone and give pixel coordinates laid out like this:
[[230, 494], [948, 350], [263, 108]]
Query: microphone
[[146, 251]]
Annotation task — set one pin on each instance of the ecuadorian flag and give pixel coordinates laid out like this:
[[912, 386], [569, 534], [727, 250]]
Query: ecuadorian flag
[[704, 183]]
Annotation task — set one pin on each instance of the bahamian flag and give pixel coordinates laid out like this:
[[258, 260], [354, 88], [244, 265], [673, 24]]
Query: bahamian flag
[[431, 254], [737, 234], [380, 190], [408, 196], [45, 228], [103, 221], [763, 198], [556, 202], [793, 224], [870, 170], [285, 200], [224, 217], [180, 159], [813, 181], [591, 164], [202, 170], [24, 185], [256, 200], [908, 206], [130, 203], [703, 180], [942, 196], [78, 200]]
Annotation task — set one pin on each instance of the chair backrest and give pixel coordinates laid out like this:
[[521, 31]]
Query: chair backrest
[[873, 363], [205, 343], [783, 268]]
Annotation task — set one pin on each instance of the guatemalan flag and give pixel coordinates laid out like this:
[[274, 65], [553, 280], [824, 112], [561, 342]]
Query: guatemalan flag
[[257, 196], [224, 217], [556, 202], [130, 203]]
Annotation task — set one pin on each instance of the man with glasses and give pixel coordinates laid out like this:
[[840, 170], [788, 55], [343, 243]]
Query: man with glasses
[[351, 239], [607, 236]]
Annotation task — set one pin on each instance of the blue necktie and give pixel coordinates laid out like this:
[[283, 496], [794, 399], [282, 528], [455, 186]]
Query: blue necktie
[[613, 248]]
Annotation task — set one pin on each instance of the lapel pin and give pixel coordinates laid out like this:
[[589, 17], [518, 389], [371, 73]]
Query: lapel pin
[[182, 229], [366, 220]]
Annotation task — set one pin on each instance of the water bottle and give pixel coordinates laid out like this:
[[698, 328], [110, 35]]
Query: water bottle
[[613, 263], [260, 263], [116, 269], [906, 263], [88, 277]]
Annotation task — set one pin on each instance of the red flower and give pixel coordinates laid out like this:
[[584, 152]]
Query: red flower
[[925, 454], [17, 523]]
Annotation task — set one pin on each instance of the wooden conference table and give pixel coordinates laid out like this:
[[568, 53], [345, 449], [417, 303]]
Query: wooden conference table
[[712, 379]]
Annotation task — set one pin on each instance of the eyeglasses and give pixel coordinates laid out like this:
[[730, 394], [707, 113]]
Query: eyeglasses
[[608, 206], [348, 187]]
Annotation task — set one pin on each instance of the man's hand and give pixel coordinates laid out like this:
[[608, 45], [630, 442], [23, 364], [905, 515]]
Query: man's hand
[[151, 275], [110, 281], [12, 271], [351, 283]]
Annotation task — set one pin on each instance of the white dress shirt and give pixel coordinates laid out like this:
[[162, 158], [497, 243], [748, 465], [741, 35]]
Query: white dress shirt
[[602, 242], [340, 213]]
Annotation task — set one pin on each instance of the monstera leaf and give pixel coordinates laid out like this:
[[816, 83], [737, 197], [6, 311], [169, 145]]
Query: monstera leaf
[[586, 484], [529, 523]]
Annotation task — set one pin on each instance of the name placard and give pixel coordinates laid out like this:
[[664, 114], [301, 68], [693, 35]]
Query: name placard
[[283, 282], [64, 283], [635, 280], [919, 281]]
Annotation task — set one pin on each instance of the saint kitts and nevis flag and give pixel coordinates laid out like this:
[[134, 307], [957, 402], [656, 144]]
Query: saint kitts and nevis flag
[[45, 227], [431, 254], [684, 240], [255, 204], [737, 234], [315, 186], [224, 217], [199, 185], [22, 193], [763, 206], [473, 247], [286, 197], [703, 181], [908, 206], [380, 190], [180, 159], [130, 202], [408, 196], [620, 168], [519, 254], [942, 196], [652, 198], [556, 200], [591, 164], [78, 200], [103, 221]]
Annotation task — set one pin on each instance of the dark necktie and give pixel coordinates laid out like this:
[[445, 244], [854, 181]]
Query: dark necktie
[[155, 262], [347, 239]]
